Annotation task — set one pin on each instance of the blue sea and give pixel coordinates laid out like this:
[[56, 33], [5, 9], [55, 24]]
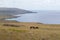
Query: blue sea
[[46, 17]]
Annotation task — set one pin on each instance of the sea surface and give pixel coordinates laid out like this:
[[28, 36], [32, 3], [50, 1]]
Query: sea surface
[[46, 17]]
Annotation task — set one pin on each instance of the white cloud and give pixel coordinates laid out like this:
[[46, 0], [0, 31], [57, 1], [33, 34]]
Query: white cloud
[[32, 4]]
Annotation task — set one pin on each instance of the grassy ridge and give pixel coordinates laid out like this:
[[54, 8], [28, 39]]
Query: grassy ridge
[[23, 32]]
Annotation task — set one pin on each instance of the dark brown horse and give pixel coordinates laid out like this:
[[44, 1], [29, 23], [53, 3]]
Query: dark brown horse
[[33, 27]]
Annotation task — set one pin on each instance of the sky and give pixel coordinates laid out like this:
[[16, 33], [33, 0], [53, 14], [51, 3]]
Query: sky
[[32, 4]]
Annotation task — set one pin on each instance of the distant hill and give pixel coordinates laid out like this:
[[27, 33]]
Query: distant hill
[[12, 11], [9, 12]]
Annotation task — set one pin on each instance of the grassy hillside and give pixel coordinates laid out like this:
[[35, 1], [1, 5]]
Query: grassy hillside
[[9, 12], [7, 17], [12, 30]]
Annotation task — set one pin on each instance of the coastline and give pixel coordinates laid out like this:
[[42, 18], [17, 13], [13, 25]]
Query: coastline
[[13, 30]]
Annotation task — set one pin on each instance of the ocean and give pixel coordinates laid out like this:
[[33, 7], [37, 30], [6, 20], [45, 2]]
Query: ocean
[[46, 17]]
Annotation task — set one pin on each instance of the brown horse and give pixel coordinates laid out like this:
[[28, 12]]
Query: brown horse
[[33, 27]]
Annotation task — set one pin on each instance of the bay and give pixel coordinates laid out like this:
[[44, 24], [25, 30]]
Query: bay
[[50, 17]]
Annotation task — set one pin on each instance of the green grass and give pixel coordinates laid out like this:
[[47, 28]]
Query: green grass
[[18, 30], [45, 31]]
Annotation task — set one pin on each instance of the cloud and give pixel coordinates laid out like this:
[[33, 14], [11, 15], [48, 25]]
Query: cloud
[[32, 4]]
